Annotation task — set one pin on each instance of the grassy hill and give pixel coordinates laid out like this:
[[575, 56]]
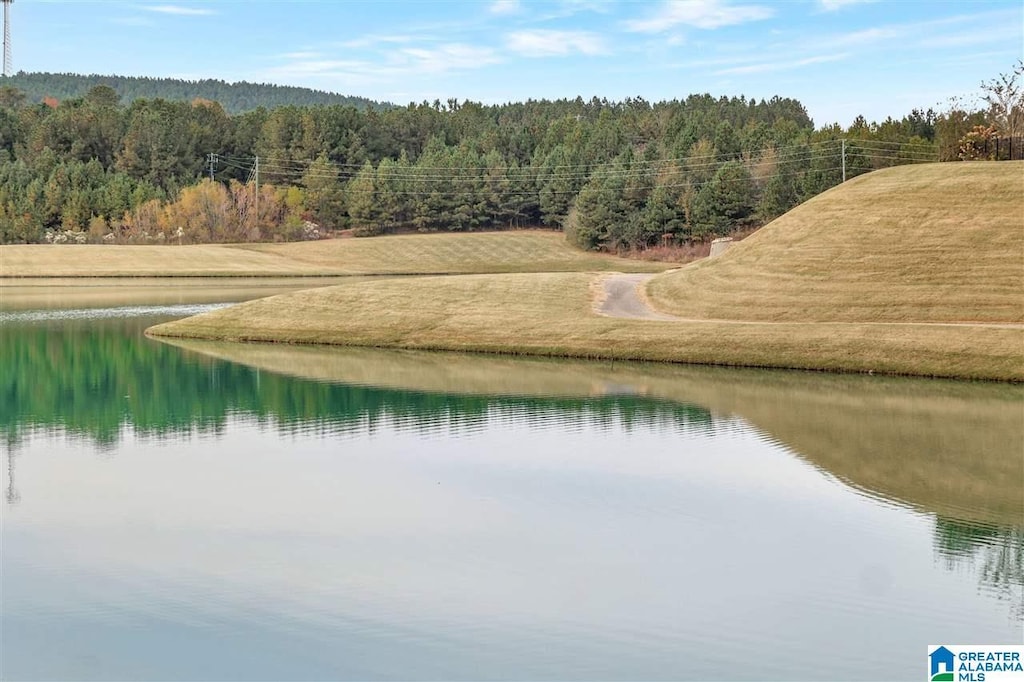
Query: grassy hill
[[519, 251], [923, 243]]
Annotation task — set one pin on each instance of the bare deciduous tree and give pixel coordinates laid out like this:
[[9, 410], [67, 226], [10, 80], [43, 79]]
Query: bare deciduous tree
[[1005, 98]]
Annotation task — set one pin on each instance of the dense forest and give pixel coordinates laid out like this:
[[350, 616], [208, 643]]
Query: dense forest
[[614, 175], [236, 98]]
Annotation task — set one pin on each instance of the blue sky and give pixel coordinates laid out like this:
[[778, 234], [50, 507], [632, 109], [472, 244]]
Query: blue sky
[[839, 57]]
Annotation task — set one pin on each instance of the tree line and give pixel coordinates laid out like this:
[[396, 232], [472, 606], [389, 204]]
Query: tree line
[[613, 175]]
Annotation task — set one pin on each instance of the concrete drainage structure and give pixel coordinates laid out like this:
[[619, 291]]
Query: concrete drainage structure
[[719, 246]]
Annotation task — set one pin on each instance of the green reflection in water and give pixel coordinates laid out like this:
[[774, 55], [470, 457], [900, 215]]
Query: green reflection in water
[[93, 378]]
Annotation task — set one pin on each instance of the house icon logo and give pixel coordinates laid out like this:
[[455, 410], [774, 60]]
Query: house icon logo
[[942, 663]]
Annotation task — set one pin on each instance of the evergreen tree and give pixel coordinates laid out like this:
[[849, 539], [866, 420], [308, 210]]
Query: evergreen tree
[[361, 201], [325, 193], [724, 203]]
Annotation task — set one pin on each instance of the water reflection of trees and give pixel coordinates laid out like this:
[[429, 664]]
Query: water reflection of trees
[[95, 380], [11, 494], [995, 553]]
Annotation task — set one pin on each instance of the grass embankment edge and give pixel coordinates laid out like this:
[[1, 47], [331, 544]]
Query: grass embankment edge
[[551, 315]]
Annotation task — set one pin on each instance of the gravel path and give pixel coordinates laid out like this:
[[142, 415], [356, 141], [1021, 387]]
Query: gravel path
[[621, 297]]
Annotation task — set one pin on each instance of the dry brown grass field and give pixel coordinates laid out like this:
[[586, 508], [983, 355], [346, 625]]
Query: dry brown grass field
[[922, 243], [518, 251]]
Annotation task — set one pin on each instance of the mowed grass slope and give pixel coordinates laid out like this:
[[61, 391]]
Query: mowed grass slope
[[553, 314], [519, 251], [922, 243]]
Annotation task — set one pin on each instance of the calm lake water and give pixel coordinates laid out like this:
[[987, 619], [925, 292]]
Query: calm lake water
[[223, 512]]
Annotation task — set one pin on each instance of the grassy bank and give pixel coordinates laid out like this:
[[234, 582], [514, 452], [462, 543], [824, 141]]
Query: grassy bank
[[922, 243], [519, 251], [553, 314]]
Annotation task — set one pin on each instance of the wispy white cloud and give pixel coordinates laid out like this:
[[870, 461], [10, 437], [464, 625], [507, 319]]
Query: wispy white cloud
[[337, 74], [450, 57], [307, 55], [746, 58], [765, 67], [180, 10], [393, 66], [502, 7], [550, 43], [868, 36], [1004, 33], [383, 39], [133, 21], [569, 8], [961, 29], [705, 14], [833, 5]]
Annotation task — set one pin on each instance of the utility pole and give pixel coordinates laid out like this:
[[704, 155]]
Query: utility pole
[[844, 159], [256, 171], [213, 160]]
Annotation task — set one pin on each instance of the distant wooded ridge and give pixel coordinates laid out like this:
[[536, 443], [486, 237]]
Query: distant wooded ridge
[[234, 97]]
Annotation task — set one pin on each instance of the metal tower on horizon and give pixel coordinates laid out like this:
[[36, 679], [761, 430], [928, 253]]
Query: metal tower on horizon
[[7, 37]]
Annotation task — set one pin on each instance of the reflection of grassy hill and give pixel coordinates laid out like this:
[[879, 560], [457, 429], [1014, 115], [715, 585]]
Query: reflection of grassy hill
[[924, 243], [519, 251], [949, 448]]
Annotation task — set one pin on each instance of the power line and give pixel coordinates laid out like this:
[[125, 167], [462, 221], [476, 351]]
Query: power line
[[711, 158], [912, 148], [526, 187], [572, 192], [484, 176]]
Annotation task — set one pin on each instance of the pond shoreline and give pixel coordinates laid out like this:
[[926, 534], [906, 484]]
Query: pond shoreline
[[553, 315], [557, 311], [595, 355]]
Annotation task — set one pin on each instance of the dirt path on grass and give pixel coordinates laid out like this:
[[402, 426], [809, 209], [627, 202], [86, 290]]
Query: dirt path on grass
[[622, 295]]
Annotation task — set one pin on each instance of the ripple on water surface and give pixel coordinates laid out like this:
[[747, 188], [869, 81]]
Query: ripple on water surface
[[181, 310]]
